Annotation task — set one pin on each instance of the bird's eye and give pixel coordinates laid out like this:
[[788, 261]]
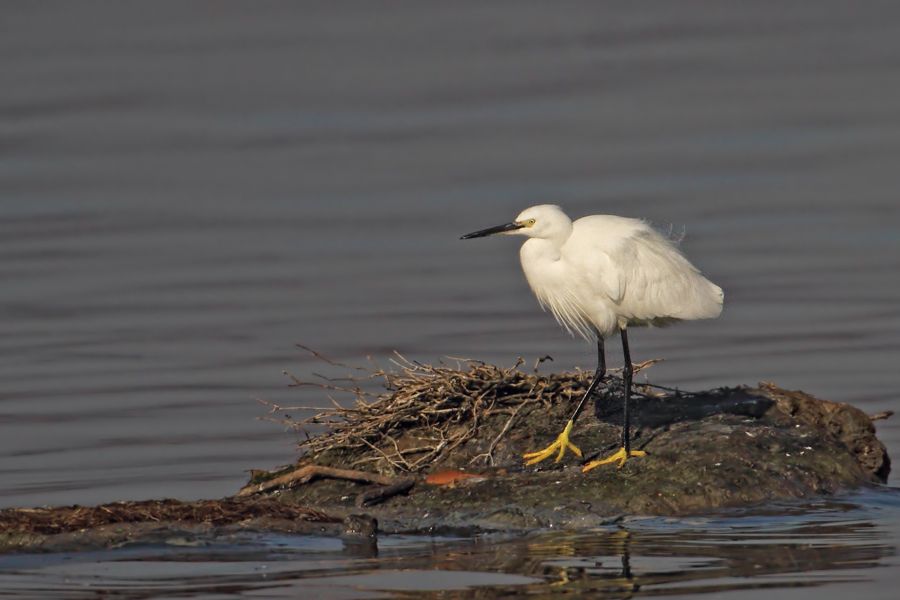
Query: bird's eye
[[530, 222]]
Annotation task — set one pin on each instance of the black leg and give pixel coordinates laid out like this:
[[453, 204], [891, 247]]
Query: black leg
[[627, 372], [625, 452], [599, 374], [562, 442]]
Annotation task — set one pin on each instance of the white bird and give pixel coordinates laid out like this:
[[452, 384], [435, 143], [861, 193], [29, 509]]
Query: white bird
[[599, 275]]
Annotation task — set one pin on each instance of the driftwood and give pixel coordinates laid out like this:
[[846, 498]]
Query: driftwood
[[382, 494], [307, 473]]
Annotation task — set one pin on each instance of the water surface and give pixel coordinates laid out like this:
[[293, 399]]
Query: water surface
[[823, 549]]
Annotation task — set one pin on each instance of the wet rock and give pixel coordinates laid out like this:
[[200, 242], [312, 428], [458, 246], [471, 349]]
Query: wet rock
[[360, 526]]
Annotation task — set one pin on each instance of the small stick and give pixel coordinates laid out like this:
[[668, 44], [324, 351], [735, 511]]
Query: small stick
[[380, 494], [325, 359], [307, 473], [489, 455], [394, 463]]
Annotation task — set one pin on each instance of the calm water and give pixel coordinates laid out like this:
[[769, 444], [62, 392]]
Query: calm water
[[188, 190], [830, 547]]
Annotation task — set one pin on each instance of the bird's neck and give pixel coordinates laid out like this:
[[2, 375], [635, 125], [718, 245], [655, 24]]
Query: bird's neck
[[540, 249], [553, 241], [547, 248]]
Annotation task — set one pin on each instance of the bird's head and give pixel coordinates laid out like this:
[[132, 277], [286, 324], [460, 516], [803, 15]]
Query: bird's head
[[543, 221]]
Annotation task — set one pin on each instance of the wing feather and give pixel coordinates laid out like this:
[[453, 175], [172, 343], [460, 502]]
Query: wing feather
[[639, 274]]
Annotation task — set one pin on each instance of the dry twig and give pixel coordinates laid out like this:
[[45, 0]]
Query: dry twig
[[427, 411], [307, 473]]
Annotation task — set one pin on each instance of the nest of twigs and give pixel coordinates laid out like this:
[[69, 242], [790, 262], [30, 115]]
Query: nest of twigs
[[426, 412]]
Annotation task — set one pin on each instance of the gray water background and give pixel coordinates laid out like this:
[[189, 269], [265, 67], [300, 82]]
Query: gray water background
[[189, 189]]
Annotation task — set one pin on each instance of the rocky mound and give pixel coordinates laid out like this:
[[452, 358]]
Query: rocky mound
[[440, 449]]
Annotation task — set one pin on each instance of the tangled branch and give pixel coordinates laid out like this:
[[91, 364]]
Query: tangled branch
[[426, 411]]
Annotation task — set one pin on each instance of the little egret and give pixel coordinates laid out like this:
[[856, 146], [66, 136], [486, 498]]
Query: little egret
[[601, 274]]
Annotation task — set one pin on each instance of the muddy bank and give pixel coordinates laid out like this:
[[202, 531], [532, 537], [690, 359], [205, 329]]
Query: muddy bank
[[709, 451], [440, 450]]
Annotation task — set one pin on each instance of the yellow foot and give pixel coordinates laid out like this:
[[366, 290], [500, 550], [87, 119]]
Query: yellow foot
[[619, 456], [560, 445]]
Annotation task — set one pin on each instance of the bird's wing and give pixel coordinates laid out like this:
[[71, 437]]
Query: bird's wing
[[623, 272], [603, 275], [660, 283], [597, 251]]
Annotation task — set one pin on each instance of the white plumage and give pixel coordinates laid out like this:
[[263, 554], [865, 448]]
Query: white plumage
[[603, 273], [599, 275]]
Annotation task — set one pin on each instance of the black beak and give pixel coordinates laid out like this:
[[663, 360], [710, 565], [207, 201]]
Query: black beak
[[492, 230]]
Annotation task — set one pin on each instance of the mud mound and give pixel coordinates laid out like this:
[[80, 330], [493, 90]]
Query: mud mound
[[706, 450], [440, 449]]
